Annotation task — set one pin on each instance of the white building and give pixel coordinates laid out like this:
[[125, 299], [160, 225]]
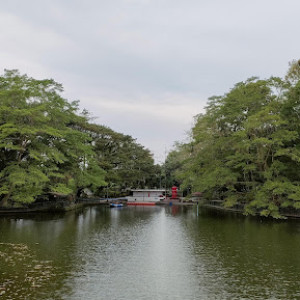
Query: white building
[[145, 197]]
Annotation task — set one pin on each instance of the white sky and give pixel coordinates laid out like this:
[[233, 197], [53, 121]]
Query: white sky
[[146, 67]]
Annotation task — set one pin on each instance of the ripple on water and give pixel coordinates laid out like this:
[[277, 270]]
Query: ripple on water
[[147, 253], [22, 276]]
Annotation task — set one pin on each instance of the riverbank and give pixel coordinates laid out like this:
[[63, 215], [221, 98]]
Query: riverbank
[[287, 213], [176, 202], [63, 205], [59, 205]]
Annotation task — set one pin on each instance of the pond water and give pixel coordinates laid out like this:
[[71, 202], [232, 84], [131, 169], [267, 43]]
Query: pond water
[[148, 253]]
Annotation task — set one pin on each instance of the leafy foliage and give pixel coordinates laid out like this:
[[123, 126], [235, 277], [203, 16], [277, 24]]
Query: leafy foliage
[[127, 163], [47, 147], [245, 148], [40, 148]]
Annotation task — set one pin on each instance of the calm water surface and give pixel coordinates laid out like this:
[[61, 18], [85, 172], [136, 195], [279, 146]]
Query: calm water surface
[[148, 253]]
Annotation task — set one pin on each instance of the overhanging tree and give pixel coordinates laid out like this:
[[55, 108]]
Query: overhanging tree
[[40, 149], [246, 147]]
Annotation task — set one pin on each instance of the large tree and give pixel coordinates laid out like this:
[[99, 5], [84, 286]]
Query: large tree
[[246, 147], [127, 163], [41, 149]]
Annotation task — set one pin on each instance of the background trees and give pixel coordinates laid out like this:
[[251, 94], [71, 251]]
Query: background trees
[[245, 148], [127, 164], [46, 146]]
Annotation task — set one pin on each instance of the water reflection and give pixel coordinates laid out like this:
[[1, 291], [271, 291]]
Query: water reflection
[[138, 257], [250, 258], [148, 253]]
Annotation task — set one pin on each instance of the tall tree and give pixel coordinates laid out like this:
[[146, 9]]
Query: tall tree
[[246, 147], [127, 163], [40, 149]]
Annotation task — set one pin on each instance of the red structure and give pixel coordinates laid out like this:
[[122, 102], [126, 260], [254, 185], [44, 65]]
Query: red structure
[[174, 192]]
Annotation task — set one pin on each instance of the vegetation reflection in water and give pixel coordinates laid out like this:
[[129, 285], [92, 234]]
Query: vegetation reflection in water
[[148, 253]]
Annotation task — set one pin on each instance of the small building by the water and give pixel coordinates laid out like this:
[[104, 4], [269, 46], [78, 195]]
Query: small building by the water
[[146, 196]]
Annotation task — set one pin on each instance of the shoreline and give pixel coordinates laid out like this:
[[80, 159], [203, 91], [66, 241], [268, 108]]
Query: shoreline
[[286, 215], [65, 206], [62, 206], [51, 207]]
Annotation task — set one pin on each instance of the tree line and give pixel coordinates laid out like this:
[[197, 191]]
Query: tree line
[[245, 149], [48, 147]]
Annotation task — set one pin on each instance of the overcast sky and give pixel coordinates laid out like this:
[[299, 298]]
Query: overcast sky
[[146, 67]]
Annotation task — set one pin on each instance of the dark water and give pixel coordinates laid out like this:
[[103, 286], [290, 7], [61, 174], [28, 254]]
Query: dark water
[[148, 253]]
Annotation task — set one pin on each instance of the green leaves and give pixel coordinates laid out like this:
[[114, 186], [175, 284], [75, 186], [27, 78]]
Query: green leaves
[[246, 147], [127, 164], [62, 188], [46, 147], [42, 146], [22, 183]]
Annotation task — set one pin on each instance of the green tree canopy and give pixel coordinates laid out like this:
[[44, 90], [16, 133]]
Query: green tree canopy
[[41, 149], [127, 163], [246, 147]]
